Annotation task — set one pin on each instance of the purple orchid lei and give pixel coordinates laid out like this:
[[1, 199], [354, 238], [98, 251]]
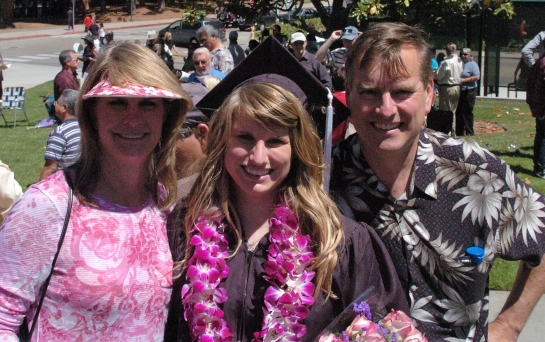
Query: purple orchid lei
[[287, 300]]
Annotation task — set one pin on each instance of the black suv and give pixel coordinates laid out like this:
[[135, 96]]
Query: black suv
[[184, 33]]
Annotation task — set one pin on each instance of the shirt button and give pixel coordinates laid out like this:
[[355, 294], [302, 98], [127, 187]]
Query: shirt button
[[410, 247], [414, 288]]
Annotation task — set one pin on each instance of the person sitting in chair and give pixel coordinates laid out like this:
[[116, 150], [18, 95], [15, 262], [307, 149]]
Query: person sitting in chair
[[63, 144]]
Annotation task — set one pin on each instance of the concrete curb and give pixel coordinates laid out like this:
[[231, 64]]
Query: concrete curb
[[6, 35]]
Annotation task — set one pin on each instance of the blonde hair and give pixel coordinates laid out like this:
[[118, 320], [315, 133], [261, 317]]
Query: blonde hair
[[210, 81], [118, 66], [302, 190]]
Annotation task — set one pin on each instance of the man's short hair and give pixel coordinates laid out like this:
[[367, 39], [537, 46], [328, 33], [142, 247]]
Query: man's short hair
[[451, 48], [384, 42], [209, 30], [200, 51], [66, 56], [69, 98]]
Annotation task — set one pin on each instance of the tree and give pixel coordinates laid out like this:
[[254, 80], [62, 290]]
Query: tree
[[430, 14], [6, 10]]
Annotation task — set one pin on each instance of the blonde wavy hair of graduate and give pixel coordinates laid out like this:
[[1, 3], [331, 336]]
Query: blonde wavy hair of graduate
[[302, 190], [130, 63]]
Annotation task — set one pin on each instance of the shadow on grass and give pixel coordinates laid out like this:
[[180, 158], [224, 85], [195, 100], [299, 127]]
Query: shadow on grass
[[525, 152]]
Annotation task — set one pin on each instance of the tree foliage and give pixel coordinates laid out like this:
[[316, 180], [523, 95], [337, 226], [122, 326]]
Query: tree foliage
[[427, 13]]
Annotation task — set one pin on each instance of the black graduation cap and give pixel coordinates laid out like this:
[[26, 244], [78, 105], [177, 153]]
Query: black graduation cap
[[271, 62]]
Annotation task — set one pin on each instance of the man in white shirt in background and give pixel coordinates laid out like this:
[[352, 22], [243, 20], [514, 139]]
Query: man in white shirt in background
[[448, 77]]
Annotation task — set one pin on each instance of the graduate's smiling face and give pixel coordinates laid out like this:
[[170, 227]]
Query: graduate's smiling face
[[257, 158]]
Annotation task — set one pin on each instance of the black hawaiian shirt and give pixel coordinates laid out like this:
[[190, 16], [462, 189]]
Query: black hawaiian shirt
[[460, 196]]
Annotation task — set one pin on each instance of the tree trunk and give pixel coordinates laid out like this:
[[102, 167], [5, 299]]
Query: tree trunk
[[336, 20], [160, 5], [86, 4], [6, 8]]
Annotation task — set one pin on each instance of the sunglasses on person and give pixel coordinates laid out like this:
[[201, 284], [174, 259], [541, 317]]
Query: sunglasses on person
[[298, 43], [204, 62], [202, 41]]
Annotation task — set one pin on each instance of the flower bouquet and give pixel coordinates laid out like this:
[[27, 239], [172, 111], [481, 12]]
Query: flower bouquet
[[364, 321]]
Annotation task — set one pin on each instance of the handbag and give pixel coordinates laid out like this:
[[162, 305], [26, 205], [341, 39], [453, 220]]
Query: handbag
[[24, 334]]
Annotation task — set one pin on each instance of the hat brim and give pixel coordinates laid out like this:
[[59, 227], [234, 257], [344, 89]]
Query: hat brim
[[105, 89]]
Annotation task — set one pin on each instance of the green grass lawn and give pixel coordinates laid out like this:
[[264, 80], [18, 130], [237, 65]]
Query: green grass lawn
[[515, 146], [23, 149]]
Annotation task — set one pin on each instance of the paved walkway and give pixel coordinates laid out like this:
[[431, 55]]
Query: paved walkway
[[535, 327]]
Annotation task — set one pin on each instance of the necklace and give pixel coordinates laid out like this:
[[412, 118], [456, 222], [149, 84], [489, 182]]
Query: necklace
[[287, 299], [252, 246]]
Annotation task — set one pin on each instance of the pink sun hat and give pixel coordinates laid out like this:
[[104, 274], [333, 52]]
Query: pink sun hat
[[105, 89]]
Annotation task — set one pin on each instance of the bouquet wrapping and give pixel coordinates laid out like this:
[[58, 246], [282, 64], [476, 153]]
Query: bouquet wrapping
[[366, 320]]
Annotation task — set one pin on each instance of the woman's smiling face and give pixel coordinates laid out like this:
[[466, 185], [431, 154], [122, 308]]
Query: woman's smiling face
[[257, 158], [129, 128]]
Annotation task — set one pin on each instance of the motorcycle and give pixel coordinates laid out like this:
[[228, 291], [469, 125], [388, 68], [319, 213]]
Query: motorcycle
[[228, 18]]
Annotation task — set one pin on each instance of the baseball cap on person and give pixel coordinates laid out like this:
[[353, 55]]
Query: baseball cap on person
[[350, 33], [297, 36], [110, 33], [233, 35], [466, 51]]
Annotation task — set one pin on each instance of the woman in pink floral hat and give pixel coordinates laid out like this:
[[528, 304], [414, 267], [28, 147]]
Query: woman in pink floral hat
[[112, 279], [267, 255]]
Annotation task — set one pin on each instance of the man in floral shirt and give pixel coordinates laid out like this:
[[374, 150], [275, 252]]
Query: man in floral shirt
[[209, 38], [430, 196]]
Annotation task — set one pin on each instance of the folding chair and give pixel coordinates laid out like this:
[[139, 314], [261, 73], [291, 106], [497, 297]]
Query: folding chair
[[14, 98]]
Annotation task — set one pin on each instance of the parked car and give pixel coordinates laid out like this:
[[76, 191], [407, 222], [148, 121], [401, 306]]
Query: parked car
[[184, 33], [293, 15]]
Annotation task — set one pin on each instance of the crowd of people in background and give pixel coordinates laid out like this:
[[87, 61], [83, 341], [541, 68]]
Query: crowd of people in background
[[176, 182]]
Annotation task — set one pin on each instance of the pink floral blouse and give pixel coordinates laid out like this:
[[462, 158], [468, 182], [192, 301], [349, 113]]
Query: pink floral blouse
[[112, 281]]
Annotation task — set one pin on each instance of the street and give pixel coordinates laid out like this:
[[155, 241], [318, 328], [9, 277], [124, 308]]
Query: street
[[36, 60]]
